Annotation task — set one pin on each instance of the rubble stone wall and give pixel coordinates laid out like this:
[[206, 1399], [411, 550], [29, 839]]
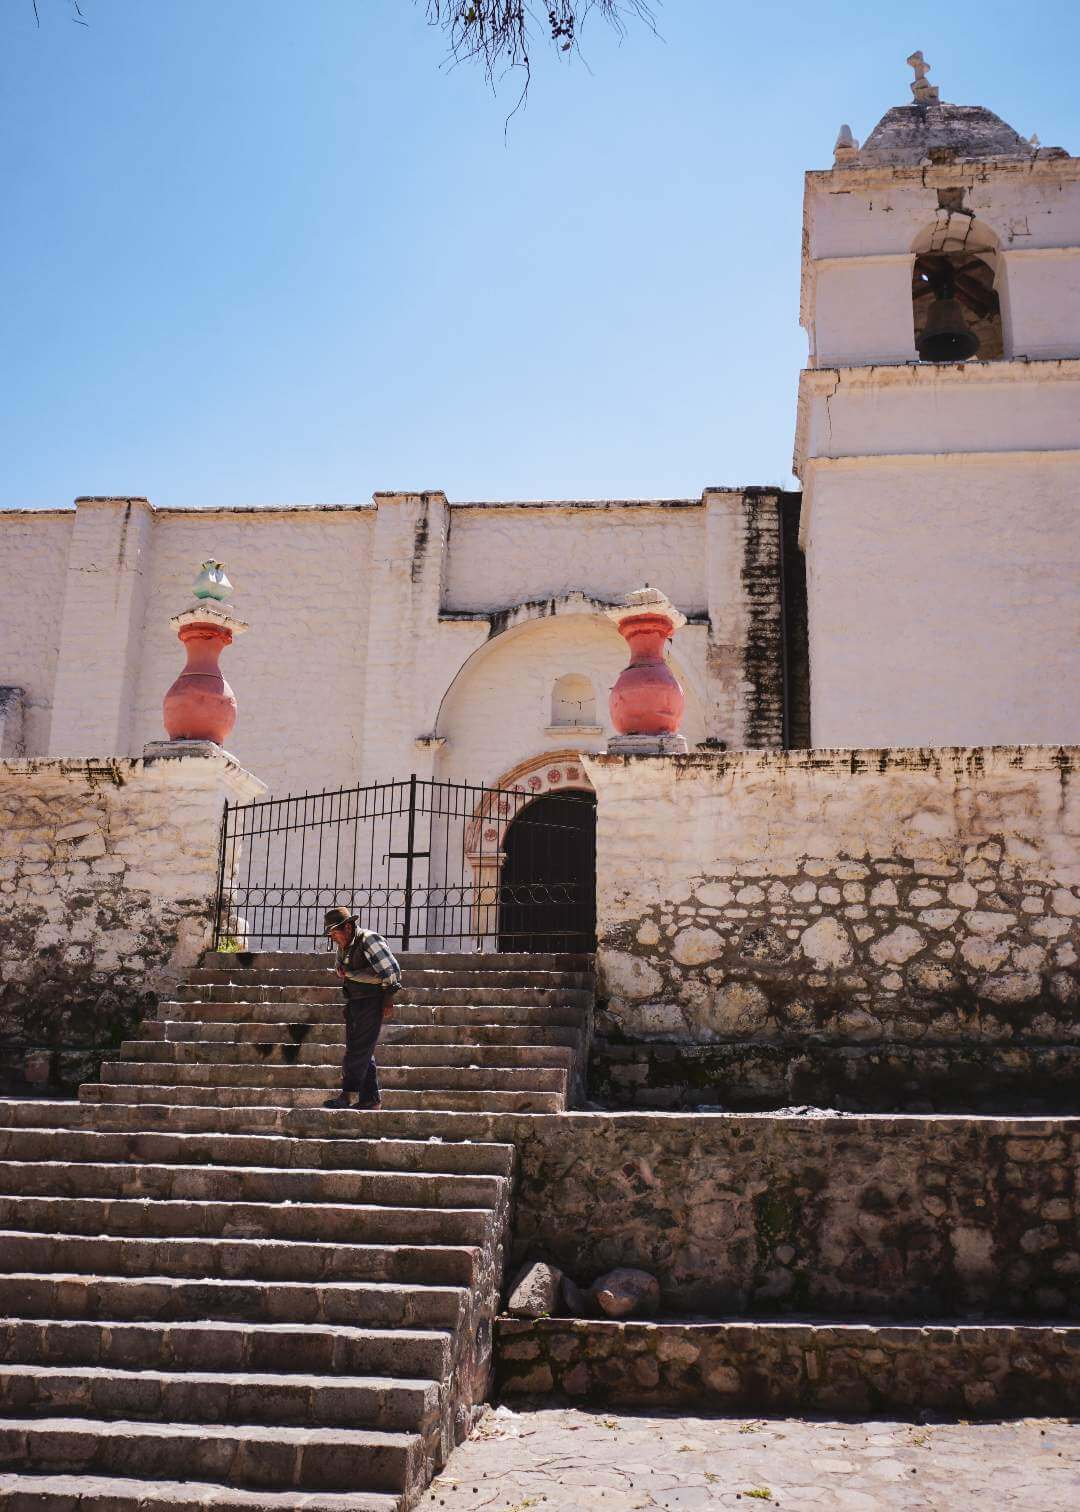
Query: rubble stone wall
[[108, 878], [761, 905], [843, 1216], [975, 1370]]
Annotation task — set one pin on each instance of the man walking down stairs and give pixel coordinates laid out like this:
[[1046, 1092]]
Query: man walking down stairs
[[219, 1293]]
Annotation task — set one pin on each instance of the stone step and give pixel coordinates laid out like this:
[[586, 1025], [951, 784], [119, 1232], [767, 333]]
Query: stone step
[[796, 1365], [233, 1348], [404, 1078], [101, 1493], [113, 1115], [229, 1184], [240, 1259], [350, 1223], [293, 1097], [322, 1052], [452, 1015], [402, 1406], [374, 1304], [321, 976], [175, 1031], [408, 1155], [412, 960], [306, 1459], [413, 994]]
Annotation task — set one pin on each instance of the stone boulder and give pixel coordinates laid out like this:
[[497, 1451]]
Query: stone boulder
[[624, 1291], [534, 1292]]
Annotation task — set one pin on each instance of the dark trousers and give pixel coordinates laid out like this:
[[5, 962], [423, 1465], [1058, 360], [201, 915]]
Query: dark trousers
[[363, 1024]]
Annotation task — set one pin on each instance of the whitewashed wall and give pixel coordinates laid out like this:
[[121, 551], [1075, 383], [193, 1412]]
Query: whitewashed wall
[[853, 895], [302, 582], [497, 713], [943, 600], [939, 510], [33, 564], [505, 554], [364, 620], [861, 226]]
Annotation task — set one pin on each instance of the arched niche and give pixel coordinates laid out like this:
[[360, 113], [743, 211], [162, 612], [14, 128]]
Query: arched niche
[[960, 253], [497, 711], [573, 702]]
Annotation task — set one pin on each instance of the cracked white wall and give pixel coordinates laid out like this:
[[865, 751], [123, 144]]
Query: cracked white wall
[[33, 553], [502, 555], [939, 508], [363, 622]]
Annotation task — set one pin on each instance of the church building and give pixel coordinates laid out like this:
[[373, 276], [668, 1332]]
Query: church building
[[920, 591]]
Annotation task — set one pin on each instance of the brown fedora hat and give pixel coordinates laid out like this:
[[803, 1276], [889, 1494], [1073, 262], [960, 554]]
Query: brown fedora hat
[[334, 918]]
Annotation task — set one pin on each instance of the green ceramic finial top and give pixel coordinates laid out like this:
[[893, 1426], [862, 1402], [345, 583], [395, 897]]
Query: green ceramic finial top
[[212, 583]]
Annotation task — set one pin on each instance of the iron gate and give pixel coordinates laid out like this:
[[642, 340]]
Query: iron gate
[[429, 865]]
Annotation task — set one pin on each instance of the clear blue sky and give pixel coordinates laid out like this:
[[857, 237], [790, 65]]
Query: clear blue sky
[[274, 253]]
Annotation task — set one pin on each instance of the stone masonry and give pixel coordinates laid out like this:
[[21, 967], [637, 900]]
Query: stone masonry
[[813, 906], [213, 1280], [108, 881], [967, 1369], [847, 1217]]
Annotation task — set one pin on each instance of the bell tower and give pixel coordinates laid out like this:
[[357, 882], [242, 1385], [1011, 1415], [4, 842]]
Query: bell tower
[[938, 436]]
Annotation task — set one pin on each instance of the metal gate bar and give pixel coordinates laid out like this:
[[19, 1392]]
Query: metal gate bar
[[420, 861]]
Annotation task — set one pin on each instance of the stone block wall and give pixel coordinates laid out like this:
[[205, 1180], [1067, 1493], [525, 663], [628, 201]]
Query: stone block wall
[[740, 1215], [896, 923], [974, 1370], [108, 878]]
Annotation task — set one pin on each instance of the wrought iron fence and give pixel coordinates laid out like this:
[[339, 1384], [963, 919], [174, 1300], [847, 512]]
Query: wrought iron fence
[[429, 865]]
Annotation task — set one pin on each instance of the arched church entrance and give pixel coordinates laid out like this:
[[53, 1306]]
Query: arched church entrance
[[547, 886]]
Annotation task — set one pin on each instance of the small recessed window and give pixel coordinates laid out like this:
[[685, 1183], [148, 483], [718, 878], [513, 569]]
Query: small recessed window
[[573, 701]]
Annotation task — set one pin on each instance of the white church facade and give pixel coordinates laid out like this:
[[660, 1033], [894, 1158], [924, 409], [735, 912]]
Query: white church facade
[[921, 591]]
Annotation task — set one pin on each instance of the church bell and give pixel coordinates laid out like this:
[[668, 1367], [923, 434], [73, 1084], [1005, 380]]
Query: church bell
[[946, 337]]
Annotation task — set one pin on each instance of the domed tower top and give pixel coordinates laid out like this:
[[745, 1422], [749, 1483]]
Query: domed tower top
[[930, 130]]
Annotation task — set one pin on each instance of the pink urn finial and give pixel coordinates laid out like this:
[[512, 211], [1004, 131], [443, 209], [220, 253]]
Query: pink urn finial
[[200, 705], [647, 701]]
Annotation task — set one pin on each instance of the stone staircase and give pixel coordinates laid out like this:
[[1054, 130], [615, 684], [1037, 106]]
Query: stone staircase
[[217, 1293]]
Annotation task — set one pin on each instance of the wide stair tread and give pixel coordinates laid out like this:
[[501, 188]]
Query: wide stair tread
[[101, 1493], [240, 1259], [187, 1344], [393, 1404], [433, 976], [222, 1183], [199, 1207], [279, 1152], [435, 1015], [247, 1455], [257, 1073], [410, 960], [348, 1222], [326, 1052], [176, 1298], [434, 1126], [332, 1032], [71, 1145], [436, 1101]]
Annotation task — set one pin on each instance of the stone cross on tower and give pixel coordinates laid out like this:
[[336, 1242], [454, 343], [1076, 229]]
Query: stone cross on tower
[[925, 93]]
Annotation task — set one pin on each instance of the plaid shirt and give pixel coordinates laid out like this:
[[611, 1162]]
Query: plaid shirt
[[368, 955]]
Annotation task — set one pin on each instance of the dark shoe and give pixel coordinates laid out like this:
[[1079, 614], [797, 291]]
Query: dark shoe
[[375, 1107], [340, 1101]]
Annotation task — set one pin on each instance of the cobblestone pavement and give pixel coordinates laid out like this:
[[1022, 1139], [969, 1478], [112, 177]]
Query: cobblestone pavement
[[563, 1460]]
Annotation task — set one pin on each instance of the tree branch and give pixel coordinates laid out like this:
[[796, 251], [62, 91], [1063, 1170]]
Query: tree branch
[[498, 33]]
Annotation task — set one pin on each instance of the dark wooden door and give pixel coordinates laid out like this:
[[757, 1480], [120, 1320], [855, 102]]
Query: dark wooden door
[[547, 893]]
